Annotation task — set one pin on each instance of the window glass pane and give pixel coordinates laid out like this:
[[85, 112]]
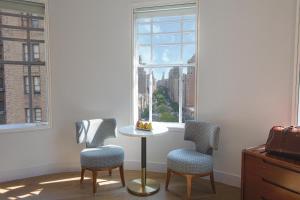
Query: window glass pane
[[166, 18], [189, 37], [143, 20], [189, 25], [144, 55], [163, 27], [35, 23], [38, 114], [144, 28], [27, 115], [143, 93], [166, 38], [165, 96], [144, 39], [168, 54], [189, 54], [188, 101], [189, 17]]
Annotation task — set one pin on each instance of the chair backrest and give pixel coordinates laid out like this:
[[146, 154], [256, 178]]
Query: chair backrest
[[205, 135], [93, 132]]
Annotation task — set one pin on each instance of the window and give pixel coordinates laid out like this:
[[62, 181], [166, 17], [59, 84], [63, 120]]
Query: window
[[165, 57], [23, 63], [27, 115], [37, 85], [26, 85], [35, 52], [38, 114], [34, 23], [36, 81]]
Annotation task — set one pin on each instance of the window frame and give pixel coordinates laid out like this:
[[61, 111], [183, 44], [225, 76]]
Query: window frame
[[26, 127], [175, 126]]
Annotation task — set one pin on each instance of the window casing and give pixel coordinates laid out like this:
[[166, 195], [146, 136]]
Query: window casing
[[165, 62]]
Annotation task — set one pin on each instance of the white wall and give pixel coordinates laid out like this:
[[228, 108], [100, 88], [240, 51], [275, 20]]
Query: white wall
[[245, 82]]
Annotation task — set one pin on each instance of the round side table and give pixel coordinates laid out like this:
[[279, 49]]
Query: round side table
[[143, 186]]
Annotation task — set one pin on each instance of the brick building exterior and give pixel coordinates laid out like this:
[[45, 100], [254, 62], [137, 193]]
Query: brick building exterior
[[23, 74]]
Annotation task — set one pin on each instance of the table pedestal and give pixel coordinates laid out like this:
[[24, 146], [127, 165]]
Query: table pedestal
[[143, 186]]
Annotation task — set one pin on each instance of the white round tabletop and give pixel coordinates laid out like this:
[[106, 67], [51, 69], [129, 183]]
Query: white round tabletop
[[133, 132]]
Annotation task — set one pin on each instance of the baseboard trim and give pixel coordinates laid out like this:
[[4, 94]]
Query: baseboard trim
[[220, 176], [9, 175]]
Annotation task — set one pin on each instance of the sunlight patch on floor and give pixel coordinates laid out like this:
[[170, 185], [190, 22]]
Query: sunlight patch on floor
[[15, 187], [31, 194], [4, 190], [61, 180], [108, 182]]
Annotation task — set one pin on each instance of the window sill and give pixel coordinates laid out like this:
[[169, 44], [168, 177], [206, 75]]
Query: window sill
[[173, 127], [12, 128]]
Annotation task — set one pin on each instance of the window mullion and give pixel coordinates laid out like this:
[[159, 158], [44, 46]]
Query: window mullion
[[150, 73], [150, 94], [180, 95], [180, 86]]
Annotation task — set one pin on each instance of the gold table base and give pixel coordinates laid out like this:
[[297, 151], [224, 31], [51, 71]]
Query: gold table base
[[136, 187]]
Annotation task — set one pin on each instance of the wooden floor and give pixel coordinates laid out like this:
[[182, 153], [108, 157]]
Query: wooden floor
[[67, 186]]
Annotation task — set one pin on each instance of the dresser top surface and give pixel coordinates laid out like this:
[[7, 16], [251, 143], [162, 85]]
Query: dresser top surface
[[260, 151]]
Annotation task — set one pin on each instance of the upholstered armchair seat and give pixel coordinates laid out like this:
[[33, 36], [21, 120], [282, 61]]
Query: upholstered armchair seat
[[97, 156], [189, 161], [102, 157], [195, 162]]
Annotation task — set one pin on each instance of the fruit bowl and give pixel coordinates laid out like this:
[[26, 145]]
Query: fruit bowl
[[144, 126]]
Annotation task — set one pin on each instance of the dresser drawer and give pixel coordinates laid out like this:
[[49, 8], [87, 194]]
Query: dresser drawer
[[281, 176], [273, 192]]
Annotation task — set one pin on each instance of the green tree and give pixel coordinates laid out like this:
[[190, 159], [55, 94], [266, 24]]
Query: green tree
[[168, 117]]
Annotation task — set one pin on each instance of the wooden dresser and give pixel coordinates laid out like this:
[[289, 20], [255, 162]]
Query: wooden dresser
[[268, 177]]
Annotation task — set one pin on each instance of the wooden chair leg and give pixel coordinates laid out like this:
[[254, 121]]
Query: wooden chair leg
[[110, 172], [122, 175], [212, 181], [94, 181], [189, 186], [169, 173], [82, 175]]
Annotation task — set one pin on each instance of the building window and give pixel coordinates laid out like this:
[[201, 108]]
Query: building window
[[34, 23], [165, 57], [35, 52], [26, 85], [37, 115], [27, 115], [23, 61], [36, 83]]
